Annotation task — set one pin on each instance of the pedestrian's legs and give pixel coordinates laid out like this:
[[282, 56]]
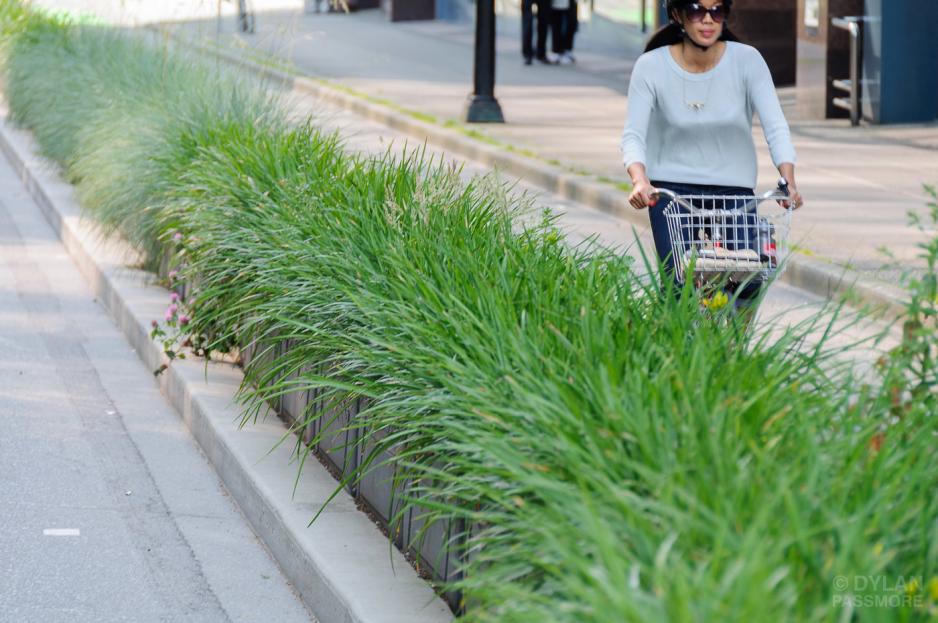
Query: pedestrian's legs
[[527, 23], [557, 35], [572, 25], [543, 22]]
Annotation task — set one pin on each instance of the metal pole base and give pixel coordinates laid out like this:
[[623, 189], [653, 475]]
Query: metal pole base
[[484, 109]]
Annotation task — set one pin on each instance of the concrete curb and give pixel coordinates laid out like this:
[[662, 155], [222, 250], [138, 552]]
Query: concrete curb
[[817, 277], [341, 565]]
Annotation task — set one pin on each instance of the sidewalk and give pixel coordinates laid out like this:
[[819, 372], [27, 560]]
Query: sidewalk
[[859, 183]]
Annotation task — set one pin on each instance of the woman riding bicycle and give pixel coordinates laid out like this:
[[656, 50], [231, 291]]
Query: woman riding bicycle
[[689, 128]]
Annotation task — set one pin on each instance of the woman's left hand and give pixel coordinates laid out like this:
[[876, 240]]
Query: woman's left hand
[[787, 171], [795, 200]]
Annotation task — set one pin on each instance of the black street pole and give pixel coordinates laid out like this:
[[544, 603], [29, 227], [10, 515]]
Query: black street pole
[[483, 107]]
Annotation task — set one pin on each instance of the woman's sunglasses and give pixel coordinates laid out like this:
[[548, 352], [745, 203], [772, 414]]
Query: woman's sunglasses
[[695, 12]]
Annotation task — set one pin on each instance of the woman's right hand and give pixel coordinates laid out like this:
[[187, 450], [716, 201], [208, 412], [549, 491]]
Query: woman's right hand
[[643, 195]]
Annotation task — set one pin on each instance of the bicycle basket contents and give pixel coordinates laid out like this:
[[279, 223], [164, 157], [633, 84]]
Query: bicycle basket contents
[[725, 237]]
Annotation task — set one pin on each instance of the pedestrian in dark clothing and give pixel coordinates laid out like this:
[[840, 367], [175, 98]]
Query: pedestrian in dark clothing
[[564, 25], [527, 28]]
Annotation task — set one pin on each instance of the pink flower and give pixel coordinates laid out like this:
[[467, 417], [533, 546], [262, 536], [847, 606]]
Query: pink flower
[[172, 309], [169, 316], [172, 274], [177, 237], [154, 324], [183, 319], [173, 297]]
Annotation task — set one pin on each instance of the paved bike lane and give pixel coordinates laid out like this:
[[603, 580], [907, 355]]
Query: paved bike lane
[[110, 510]]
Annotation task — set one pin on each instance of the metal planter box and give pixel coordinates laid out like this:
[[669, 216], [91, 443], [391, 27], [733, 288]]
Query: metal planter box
[[342, 445]]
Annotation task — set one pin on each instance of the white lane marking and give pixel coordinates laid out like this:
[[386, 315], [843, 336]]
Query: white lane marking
[[61, 532]]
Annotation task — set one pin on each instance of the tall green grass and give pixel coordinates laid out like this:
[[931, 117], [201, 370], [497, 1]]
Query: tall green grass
[[616, 456], [97, 86]]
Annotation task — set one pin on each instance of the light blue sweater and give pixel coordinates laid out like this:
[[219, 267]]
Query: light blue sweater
[[712, 145]]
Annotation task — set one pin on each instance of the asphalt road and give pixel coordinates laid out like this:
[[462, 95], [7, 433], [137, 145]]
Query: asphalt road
[[110, 511]]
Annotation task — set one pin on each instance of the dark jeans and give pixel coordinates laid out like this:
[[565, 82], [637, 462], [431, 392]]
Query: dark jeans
[[527, 26], [563, 28], [662, 235]]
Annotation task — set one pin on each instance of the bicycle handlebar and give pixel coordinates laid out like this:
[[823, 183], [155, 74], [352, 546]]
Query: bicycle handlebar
[[780, 193]]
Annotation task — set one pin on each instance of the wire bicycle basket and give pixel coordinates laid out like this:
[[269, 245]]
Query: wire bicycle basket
[[733, 238]]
